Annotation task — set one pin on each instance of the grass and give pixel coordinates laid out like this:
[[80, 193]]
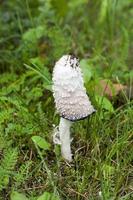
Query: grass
[[33, 35]]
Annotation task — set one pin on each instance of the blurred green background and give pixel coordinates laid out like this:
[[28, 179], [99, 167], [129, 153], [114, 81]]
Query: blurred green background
[[99, 30]]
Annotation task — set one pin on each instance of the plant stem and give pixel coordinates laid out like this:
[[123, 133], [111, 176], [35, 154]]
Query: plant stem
[[64, 132]]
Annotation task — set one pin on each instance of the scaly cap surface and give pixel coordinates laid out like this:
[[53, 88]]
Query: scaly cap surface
[[69, 92]]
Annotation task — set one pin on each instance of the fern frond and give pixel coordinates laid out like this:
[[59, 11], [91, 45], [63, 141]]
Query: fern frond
[[8, 163], [9, 160], [23, 173], [5, 115]]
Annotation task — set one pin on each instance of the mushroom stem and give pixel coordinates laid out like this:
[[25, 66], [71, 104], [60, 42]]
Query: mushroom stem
[[64, 132]]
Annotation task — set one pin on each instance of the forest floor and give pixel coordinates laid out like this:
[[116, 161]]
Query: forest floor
[[33, 36]]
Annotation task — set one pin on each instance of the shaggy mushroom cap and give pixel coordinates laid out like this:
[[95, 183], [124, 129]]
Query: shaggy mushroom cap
[[70, 96]]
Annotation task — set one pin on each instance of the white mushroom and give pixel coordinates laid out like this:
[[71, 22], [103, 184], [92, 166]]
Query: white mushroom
[[72, 102]]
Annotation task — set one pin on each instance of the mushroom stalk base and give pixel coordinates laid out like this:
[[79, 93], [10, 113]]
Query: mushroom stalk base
[[64, 133]]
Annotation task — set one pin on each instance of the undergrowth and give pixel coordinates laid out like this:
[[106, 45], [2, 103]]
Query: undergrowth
[[33, 35]]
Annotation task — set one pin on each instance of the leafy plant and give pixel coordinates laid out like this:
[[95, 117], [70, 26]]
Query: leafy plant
[[41, 142]]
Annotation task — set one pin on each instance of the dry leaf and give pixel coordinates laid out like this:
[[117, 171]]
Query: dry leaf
[[106, 87]]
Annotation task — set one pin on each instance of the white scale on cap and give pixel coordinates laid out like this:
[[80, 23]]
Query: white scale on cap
[[69, 92]]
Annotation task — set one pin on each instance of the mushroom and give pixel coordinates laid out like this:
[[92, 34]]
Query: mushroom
[[71, 100]]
